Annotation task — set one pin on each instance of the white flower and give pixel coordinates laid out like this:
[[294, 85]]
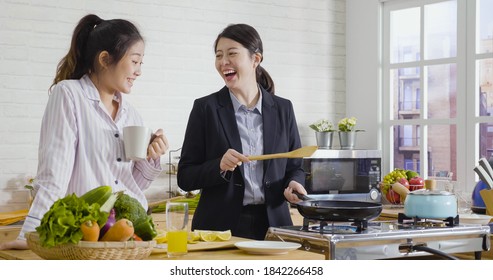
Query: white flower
[[347, 124], [322, 126]]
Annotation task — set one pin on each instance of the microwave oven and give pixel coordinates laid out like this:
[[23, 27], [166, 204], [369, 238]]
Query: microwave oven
[[343, 175]]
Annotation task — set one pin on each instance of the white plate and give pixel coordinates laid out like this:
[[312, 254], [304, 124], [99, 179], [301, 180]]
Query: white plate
[[474, 219], [267, 247]]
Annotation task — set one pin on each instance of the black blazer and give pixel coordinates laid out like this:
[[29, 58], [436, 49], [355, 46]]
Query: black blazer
[[210, 132]]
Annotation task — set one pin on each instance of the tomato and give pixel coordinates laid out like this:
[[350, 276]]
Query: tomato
[[416, 183]]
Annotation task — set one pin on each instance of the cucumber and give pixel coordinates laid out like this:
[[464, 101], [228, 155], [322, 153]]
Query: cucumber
[[98, 195]]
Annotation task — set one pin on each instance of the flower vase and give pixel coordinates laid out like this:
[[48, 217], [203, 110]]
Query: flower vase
[[347, 139], [324, 139]]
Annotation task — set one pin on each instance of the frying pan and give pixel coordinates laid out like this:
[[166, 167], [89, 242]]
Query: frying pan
[[344, 211], [337, 210]]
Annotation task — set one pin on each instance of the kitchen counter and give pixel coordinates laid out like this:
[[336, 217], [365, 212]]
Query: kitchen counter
[[223, 251], [226, 252], [9, 232]]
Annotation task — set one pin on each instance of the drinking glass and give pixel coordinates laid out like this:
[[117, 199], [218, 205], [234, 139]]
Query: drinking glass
[[177, 228]]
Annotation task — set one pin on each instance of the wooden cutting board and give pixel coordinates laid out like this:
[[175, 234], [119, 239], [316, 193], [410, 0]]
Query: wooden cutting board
[[8, 218], [202, 245]]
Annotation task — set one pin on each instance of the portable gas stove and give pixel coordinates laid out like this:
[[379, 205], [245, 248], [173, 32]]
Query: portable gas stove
[[401, 238]]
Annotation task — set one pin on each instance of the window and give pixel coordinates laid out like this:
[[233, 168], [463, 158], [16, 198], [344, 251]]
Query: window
[[438, 86]]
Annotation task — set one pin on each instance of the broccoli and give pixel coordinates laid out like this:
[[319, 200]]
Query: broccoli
[[130, 208]]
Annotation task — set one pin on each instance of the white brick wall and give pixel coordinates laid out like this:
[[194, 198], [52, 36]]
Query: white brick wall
[[304, 51]]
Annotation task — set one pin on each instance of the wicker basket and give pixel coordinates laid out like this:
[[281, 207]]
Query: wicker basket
[[84, 250]]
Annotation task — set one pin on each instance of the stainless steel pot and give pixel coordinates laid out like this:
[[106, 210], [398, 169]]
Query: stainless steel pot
[[430, 204]]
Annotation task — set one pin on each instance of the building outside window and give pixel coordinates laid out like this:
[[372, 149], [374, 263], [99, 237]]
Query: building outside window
[[438, 85]]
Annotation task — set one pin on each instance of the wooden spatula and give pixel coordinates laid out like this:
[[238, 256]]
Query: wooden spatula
[[298, 153]]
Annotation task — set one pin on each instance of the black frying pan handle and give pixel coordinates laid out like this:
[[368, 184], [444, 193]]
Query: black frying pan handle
[[301, 196]]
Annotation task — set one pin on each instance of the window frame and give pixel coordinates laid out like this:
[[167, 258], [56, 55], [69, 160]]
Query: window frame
[[466, 120]]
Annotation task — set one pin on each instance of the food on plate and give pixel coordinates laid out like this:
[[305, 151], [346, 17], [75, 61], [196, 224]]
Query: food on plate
[[206, 235], [211, 235], [161, 236], [198, 235], [193, 237], [224, 235]]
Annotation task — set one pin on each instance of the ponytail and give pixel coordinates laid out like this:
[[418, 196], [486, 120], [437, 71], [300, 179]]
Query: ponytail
[[72, 66], [264, 79], [91, 36]]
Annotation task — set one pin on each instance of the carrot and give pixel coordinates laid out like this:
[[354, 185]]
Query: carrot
[[121, 231], [90, 231], [135, 237]]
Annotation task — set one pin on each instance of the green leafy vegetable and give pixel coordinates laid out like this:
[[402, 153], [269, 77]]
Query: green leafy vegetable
[[61, 224]]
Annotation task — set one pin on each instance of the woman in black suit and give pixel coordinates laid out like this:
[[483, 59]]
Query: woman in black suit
[[243, 118]]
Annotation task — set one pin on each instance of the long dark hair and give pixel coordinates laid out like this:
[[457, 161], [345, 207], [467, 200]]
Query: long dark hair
[[91, 36], [247, 36]]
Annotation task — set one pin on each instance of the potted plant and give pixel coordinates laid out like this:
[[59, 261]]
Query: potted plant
[[323, 133], [347, 133]]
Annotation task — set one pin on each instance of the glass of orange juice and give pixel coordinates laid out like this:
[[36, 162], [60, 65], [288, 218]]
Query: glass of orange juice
[[177, 228]]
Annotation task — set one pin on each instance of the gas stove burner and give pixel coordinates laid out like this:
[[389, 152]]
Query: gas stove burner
[[402, 219], [325, 227], [334, 229], [431, 224], [385, 239]]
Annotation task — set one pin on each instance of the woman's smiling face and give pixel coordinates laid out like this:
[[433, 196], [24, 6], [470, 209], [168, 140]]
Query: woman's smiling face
[[235, 64], [121, 76]]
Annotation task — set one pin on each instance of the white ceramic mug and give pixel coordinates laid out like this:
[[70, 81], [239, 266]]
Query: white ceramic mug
[[136, 140]]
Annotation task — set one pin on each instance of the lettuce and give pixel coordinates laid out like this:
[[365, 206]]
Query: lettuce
[[61, 223]]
